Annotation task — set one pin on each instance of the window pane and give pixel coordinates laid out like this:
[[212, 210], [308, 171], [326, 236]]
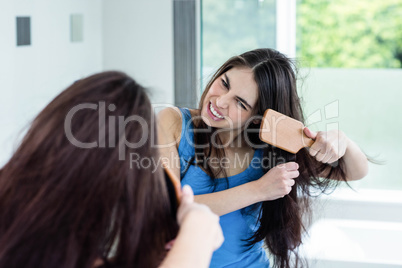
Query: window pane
[[230, 27], [350, 34], [363, 41]]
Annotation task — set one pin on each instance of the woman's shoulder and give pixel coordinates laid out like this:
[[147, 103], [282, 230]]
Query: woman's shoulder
[[175, 114], [170, 113], [170, 120]]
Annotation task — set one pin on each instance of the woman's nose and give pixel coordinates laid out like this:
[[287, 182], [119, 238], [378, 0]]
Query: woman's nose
[[222, 102]]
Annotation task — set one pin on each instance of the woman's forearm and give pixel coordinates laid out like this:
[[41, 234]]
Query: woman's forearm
[[199, 235], [274, 184], [356, 162], [230, 200]]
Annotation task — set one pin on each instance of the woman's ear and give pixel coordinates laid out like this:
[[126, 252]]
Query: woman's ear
[[256, 121]]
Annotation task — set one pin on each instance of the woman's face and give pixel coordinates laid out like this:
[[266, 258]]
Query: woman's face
[[231, 99]]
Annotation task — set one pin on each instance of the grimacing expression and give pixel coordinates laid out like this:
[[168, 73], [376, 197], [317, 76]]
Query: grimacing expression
[[231, 99]]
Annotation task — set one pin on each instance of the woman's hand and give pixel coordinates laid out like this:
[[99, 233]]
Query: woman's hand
[[277, 182], [328, 146], [200, 218], [199, 235]]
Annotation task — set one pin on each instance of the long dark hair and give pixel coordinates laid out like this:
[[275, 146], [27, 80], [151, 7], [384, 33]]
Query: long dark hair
[[281, 221], [66, 206]]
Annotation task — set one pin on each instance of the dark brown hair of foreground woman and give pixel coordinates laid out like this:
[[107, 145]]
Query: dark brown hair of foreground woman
[[63, 206]]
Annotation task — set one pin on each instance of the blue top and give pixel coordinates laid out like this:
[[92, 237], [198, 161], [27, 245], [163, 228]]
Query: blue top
[[237, 225]]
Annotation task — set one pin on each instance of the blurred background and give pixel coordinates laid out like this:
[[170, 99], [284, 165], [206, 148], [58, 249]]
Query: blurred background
[[349, 55]]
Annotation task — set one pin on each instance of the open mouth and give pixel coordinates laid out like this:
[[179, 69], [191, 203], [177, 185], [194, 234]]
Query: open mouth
[[213, 113]]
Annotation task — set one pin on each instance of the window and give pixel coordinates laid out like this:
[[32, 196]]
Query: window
[[351, 52], [350, 34], [231, 27]]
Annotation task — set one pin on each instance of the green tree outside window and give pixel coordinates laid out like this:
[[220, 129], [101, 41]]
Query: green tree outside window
[[350, 34]]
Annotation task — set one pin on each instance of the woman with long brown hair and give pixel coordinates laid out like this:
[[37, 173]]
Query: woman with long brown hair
[[73, 196], [261, 192]]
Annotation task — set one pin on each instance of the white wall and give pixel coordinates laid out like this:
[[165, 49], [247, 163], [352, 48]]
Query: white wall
[[138, 39], [30, 76], [134, 36]]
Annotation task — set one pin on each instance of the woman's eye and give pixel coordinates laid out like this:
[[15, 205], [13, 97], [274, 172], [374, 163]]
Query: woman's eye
[[225, 84], [241, 105]]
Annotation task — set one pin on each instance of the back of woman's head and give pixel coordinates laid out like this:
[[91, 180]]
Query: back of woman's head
[[83, 184]]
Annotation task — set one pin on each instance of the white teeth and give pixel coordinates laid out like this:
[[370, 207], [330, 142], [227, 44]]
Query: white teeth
[[214, 112]]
